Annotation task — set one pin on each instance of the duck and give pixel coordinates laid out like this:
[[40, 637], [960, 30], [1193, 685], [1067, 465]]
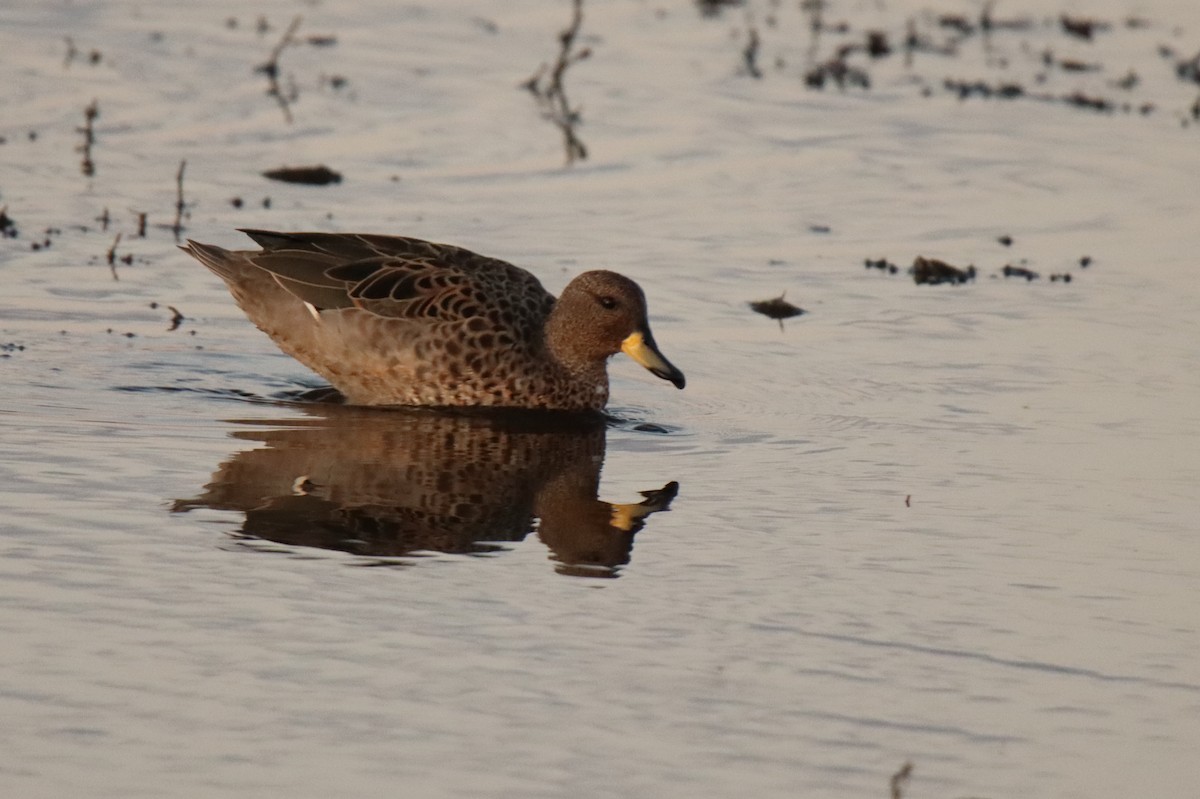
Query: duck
[[398, 321]]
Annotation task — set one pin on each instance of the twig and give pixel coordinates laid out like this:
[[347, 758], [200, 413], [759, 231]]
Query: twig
[[89, 138], [900, 780], [816, 23], [547, 87], [271, 69], [750, 55], [112, 256], [180, 205]]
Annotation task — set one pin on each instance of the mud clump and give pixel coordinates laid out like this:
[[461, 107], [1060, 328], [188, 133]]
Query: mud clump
[[1019, 271], [931, 271], [776, 308], [319, 175], [8, 228]]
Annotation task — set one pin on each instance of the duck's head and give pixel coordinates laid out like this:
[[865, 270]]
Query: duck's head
[[601, 313]]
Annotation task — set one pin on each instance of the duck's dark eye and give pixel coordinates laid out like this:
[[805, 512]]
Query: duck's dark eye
[[607, 303]]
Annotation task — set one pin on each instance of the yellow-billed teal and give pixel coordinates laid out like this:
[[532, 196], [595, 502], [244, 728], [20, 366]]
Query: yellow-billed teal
[[390, 320]]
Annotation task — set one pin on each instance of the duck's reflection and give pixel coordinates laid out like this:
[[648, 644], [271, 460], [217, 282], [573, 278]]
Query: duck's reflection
[[386, 484]]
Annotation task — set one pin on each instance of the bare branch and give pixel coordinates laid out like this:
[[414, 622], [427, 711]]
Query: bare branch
[[271, 69], [546, 85]]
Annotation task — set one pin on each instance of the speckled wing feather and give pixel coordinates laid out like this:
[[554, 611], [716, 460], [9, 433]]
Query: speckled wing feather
[[401, 278]]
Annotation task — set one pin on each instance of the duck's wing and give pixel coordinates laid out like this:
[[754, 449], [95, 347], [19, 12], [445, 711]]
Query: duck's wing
[[401, 278]]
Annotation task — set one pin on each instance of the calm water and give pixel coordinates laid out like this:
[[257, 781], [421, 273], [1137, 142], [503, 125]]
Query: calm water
[[951, 525]]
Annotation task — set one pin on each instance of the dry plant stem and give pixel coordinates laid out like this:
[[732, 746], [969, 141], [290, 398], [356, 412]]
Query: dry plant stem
[[552, 97], [180, 205], [750, 54], [816, 23], [900, 779], [89, 138], [112, 257], [271, 69]]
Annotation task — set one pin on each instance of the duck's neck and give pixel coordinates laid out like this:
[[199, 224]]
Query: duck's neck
[[583, 369]]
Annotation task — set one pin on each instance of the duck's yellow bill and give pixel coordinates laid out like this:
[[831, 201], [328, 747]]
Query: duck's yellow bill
[[640, 346]]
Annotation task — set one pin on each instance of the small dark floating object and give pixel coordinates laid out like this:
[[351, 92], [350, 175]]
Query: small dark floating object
[[710, 8], [819, 228], [1019, 271], [8, 228], [1128, 82], [877, 44], [933, 272], [1064, 277], [311, 175], [1085, 261], [1006, 240], [1081, 28], [838, 72], [956, 22], [777, 308], [882, 264], [1188, 70], [1081, 100], [965, 89]]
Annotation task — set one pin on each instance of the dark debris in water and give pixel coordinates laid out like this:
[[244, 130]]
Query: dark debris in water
[[931, 271], [8, 228], [1019, 271], [711, 8], [90, 114], [270, 68], [776, 308], [319, 175], [176, 317], [1081, 27], [978, 88], [1031, 40], [899, 781], [838, 72], [548, 87]]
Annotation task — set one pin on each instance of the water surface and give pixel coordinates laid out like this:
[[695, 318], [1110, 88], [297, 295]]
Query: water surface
[[951, 525]]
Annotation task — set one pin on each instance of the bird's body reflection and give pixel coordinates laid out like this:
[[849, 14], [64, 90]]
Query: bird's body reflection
[[385, 484]]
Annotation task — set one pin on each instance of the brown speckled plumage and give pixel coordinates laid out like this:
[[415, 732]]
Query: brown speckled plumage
[[390, 320]]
